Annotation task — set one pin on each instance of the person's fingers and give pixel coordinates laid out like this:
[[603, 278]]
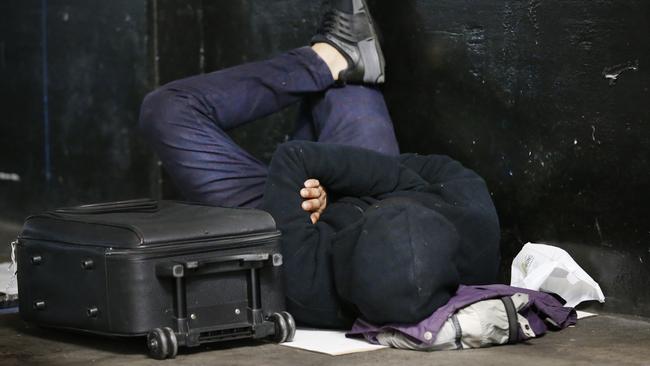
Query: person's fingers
[[315, 198], [314, 217], [310, 193], [311, 205], [312, 183], [323, 194]]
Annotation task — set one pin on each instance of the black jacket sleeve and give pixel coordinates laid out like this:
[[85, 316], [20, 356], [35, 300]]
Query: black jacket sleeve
[[450, 180]]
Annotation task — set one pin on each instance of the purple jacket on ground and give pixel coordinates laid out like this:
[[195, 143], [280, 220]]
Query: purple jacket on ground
[[542, 309]]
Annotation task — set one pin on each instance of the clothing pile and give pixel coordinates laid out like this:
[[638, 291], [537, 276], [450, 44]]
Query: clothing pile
[[476, 316], [487, 315]]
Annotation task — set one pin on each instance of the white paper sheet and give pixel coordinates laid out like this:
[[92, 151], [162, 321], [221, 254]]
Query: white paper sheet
[[584, 314], [330, 342]]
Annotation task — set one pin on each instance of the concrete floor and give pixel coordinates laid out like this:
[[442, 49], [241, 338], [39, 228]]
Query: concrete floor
[[604, 340]]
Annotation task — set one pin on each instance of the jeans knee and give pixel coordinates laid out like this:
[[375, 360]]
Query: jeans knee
[[368, 132], [151, 116], [379, 136], [164, 111]]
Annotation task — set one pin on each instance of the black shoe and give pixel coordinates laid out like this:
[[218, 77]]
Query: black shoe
[[348, 27]]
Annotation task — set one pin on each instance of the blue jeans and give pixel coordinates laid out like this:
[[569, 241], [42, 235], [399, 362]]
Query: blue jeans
[[186, 122]]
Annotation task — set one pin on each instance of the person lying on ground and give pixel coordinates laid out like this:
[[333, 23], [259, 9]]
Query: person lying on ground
[[367, 232]]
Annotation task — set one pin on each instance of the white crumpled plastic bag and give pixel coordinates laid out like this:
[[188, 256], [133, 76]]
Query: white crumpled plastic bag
[[547, 268]]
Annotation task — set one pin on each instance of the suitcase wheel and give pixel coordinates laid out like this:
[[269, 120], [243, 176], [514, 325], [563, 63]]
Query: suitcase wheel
[[162, 343], [291, 325], [285, 327]]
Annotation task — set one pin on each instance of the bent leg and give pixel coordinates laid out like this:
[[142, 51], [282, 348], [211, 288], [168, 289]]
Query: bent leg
[[202, 160], [354, 115], [244, 93], [185, 121]]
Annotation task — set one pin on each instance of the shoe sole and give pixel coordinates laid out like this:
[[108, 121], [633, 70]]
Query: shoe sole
[[371, 48]]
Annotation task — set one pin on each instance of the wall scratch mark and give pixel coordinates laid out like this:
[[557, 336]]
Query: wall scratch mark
[[199, 19], [446, 33], [13, 177], [613, 72], [600, 233], [532, 15], [475, 42], [593, 134], [3, 57], [46, 111]]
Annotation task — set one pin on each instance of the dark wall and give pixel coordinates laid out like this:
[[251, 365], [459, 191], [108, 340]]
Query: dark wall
[[548, 100], [72, 75]]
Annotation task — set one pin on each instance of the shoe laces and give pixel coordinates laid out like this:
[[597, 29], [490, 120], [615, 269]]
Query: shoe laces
[[336, 23]]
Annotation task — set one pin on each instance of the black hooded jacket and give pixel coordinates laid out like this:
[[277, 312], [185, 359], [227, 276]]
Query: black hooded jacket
[[323, 262]]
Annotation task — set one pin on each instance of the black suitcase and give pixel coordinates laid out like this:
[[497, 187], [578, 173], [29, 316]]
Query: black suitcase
[[182, 274]]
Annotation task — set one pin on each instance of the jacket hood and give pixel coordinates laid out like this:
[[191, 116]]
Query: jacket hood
[[401, 251]]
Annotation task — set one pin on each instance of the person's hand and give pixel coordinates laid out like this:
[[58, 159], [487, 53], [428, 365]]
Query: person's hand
[[315, 199]]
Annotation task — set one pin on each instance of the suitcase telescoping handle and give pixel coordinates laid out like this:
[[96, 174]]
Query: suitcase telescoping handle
[[140, 204], [250, 263], [219, 264]]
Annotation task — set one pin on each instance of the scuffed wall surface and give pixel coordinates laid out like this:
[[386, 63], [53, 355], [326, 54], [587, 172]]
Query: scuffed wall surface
[[548, 100]]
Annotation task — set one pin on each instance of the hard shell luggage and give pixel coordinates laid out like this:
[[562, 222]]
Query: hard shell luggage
[[182, 274]]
